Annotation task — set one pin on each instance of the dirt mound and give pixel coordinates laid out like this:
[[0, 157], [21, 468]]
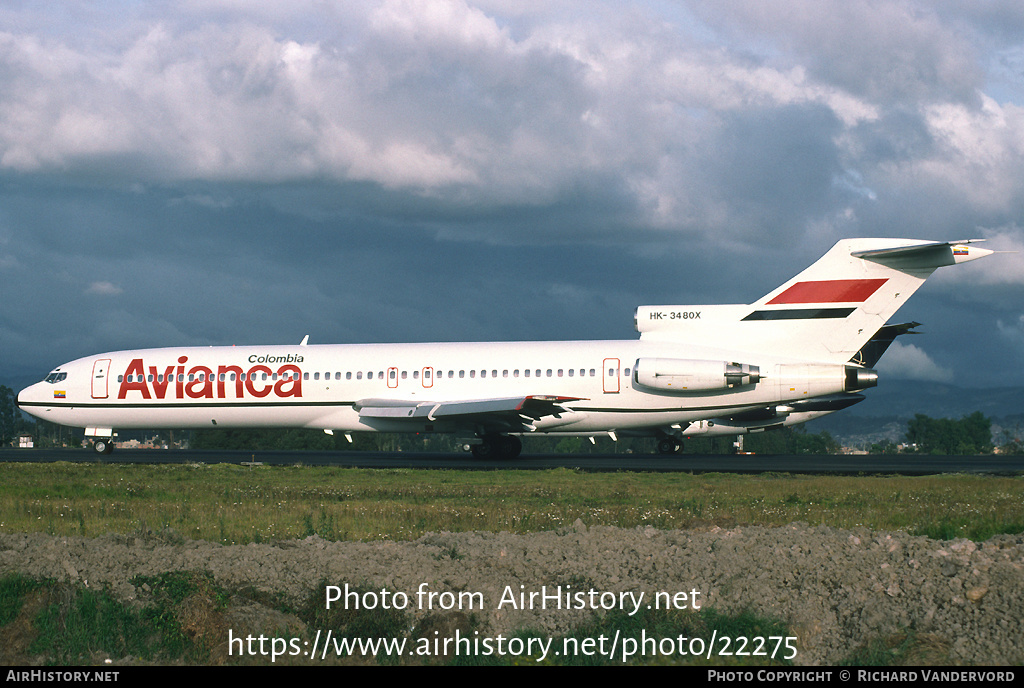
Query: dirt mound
[[834, 588]]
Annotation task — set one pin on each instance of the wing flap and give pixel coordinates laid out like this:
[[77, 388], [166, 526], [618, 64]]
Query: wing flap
[[532, 407]]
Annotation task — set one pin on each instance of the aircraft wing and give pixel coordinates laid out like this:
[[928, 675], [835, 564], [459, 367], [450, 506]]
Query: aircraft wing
[[505, 413]]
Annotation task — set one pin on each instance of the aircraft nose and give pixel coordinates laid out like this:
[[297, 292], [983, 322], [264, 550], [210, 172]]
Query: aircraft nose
[[27, 395]]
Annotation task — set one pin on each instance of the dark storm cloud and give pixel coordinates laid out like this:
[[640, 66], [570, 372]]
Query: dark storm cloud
[[776, 168], [222, 172]]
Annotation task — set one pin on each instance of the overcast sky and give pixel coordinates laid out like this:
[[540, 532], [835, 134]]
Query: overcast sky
[[234, 172]]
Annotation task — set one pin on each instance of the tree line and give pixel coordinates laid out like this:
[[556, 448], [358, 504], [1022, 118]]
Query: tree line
[[11, 422], [971, 434]]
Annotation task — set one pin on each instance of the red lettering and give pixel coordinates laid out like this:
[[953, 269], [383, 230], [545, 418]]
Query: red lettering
[[160, 388], [293, 381], [179, 387], [251, 377], [285, 382], [205, 380], [222, 372], [135, 370]]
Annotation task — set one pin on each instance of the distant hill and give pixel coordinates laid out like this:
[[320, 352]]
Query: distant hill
[[883, 415], [904, 399]]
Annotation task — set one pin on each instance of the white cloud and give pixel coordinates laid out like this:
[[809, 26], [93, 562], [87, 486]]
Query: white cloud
[[977, 153], [441, 98], [1005, 267], [1013, 331], [898, 50], [104, 289], [909, 362], [437, 22], [483, 103]]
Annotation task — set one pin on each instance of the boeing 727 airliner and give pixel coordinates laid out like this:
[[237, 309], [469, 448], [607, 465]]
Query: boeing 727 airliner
[[804, 350]]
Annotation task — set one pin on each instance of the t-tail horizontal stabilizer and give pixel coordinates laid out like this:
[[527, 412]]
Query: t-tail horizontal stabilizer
[[828, 313]]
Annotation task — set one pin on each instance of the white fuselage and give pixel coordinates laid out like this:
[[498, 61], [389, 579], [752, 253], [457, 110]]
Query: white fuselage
[[797, 353], [321, 386]]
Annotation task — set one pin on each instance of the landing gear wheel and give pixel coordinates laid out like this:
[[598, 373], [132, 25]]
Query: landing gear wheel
[[498, 447], [484, 450], [102, 446], [669, 445], [509, 447]]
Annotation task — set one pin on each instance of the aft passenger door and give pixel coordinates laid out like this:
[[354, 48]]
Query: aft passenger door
[[100, 370], [610, 375]]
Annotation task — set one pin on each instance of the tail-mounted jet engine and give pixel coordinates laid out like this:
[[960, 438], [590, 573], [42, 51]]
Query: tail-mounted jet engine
[[686, 375]]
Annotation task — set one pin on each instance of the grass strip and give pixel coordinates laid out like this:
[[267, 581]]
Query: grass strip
[[238, 504]]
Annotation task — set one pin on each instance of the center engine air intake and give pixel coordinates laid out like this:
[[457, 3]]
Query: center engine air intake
[[687, 375]]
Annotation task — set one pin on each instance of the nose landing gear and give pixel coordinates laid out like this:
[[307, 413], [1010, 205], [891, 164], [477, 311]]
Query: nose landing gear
[[103, 445]]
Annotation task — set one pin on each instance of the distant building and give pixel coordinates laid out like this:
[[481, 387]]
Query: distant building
[[25, 441]]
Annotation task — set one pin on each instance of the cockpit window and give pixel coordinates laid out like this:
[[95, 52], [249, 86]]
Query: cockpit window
[[55, 377]]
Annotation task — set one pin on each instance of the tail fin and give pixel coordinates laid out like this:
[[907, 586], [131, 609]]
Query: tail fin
[[826, 313]]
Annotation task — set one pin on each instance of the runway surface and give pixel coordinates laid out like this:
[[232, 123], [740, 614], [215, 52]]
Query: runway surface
[[855, 464]]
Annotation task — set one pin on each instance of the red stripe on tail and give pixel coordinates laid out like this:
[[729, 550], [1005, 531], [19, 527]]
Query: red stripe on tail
[[830, 291]]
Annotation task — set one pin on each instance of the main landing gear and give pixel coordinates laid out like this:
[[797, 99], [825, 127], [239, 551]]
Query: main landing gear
[[669, 445], [498, 447]]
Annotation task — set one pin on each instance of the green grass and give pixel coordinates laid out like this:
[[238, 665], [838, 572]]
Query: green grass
[[236, 504], [13, 590], [73, 624], [909, 648]]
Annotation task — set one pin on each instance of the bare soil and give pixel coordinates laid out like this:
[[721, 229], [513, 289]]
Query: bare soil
[[834, 588]]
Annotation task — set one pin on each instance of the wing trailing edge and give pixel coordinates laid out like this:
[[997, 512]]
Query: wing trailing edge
[[504, 412]]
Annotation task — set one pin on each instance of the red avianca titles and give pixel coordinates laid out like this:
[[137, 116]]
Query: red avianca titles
[[802, 351], [230, 380]]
